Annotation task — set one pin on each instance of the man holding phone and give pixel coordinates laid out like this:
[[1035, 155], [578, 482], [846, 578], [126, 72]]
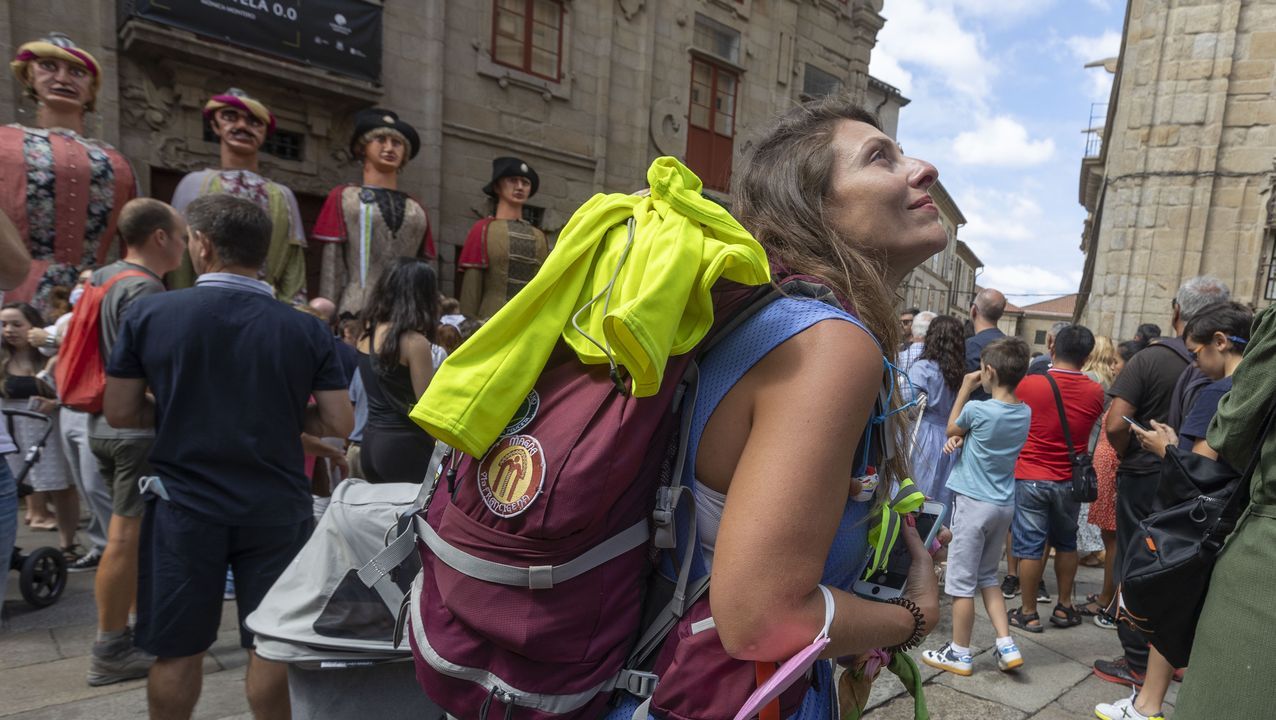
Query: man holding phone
[[1144, 391]]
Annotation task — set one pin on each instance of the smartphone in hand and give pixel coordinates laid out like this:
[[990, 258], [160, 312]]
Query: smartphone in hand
[[889, 582], [1135, 423]]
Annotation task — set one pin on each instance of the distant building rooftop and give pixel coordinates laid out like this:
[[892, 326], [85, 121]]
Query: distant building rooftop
[[1060, 306]]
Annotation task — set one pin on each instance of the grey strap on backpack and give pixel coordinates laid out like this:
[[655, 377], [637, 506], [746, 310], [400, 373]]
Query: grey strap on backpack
[[376, 573]]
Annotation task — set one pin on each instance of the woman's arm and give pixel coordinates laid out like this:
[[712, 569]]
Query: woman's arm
[[414, 351], [807, 403]]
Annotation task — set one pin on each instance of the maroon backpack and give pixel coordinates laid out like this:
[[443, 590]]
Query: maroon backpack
[[537, 598]]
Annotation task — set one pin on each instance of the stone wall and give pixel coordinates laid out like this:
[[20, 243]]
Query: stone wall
[[1188, 158]]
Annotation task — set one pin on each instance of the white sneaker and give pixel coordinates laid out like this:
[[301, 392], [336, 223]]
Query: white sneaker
[[1008, 658], [945, 659], [1123, 709]]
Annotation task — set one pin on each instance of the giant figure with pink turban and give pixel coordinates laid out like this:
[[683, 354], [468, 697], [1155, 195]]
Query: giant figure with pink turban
[[242, 125], [61, 189]]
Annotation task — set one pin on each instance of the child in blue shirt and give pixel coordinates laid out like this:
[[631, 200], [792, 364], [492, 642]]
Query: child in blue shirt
[[991, 433]]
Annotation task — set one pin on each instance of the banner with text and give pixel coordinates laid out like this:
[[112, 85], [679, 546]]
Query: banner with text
[[343, 36]]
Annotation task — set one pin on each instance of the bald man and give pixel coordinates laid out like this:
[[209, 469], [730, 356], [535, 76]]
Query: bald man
[[985, 311]]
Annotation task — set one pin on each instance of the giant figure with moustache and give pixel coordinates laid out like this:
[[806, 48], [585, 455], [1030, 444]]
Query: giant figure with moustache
[[241, 125]]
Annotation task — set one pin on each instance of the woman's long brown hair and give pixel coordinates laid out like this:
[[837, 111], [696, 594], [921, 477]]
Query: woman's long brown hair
[[781, 197]]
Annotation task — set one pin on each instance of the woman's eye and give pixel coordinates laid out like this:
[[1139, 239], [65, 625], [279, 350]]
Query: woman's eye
[[877, 155]]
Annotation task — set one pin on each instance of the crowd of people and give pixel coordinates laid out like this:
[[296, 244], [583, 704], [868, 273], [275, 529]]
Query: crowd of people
[[1119, 403], [229, 404]]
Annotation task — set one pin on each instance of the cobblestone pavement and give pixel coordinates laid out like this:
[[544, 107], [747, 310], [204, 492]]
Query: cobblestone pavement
[[44, 658]]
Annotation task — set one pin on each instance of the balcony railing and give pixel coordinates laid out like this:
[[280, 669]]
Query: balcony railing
[[1094, 129]]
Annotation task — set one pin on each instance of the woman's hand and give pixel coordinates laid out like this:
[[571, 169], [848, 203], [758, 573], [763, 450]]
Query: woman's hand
[[953, 444], [923, 586], [1157, 439]]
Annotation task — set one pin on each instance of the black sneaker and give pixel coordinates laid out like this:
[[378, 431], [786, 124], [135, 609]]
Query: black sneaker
[[86, 563], [1043, 595], [1118, 671], [1010, 586]]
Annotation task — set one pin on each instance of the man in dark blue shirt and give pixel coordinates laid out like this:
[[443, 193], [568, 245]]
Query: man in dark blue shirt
[[231, 372], [985, 311]]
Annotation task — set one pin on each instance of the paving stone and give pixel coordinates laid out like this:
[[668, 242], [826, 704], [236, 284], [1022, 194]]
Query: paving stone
[[1081, 699], [222, 697], [53, 684], [948, 704], [1045, 675], [27, 648]]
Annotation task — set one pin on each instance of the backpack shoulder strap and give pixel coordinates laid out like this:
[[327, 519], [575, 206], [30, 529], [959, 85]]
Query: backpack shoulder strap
[[1063, 416]]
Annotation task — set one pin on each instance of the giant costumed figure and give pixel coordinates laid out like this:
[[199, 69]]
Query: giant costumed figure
[[62, 190], [364, 227], [502, 253], [241, 125]]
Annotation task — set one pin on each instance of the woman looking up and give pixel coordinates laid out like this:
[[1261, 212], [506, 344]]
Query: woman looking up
[[396, 365], [937, 374], [791, 393]]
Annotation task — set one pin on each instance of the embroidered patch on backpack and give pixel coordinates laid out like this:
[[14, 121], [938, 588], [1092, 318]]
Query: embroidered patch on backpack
[[511, 475], [524, 415]]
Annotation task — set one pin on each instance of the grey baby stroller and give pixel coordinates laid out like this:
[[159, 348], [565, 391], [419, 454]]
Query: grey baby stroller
[[333, 630], [42, 574]]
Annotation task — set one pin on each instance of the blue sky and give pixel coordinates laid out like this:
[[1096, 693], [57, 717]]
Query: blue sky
[[999, 101]]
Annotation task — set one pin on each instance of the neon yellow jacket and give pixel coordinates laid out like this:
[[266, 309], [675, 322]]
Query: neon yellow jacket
[[659, 304]]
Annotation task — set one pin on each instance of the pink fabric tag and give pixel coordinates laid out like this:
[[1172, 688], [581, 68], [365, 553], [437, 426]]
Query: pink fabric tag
[[796, 667]]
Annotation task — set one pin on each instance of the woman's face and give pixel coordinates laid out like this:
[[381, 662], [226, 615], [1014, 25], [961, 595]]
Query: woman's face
[[877, 197], [1118, 364], [63, 83], [13, 328], [1209, 355]]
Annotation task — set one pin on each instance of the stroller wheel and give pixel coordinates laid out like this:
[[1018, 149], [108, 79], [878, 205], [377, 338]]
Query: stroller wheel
[[43, 577]]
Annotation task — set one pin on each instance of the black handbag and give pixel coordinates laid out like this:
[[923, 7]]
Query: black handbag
[[1170, 558], [1085, 482]]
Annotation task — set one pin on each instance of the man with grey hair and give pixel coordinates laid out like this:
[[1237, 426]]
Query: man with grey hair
[[985, 311], [918, 326], [1042, 363], [913, 349], [1145, 391]]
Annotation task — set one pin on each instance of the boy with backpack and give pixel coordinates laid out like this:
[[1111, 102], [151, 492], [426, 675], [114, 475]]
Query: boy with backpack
[[992, 432]]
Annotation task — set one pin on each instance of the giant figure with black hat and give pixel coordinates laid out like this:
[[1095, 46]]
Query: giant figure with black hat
[[502, 253], [364, 227], [62, 190], [242, 125]]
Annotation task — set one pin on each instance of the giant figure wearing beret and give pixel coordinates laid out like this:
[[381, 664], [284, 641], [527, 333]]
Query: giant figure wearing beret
[[502, 253], [241, 125], [364, 227], [62, 190]]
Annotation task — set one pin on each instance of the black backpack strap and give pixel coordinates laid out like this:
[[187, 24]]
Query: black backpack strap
[[1236, 503], [1063, 417]]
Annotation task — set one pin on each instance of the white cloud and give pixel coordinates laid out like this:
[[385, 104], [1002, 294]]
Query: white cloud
[[886, 68], [1026, 284], [994, 217], [1001, 141], [1089, 48], [926, 34]]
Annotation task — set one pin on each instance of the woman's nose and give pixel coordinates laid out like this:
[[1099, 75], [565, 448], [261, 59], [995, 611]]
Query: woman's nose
[[923, 174]]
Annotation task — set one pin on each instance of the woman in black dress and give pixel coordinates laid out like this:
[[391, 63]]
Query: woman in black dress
[[396, 366]]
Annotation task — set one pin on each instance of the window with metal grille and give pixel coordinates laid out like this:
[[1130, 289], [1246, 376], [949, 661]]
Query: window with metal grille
[[816, 83], [528, 35], [1270, 292], [715, 38], [283, 144], [1039, 338]]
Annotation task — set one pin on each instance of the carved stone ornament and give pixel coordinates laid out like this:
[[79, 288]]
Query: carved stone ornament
[[668, 116], [630, 8], [147, 103]]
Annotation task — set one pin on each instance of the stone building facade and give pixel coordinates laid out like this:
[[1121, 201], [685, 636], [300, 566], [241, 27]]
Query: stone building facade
[[1181, 184], [587, 92]]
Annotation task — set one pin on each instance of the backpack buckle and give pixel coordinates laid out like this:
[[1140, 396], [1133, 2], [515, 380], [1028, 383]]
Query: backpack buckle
[[638, 683], [663, 519]]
